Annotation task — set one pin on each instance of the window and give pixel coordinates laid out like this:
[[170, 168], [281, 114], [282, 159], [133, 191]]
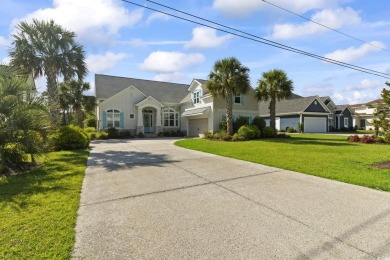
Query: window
[[113, 118], [362, 122], [170, 117], [196, 97], [237, 99], [346, 122], [131, 116]]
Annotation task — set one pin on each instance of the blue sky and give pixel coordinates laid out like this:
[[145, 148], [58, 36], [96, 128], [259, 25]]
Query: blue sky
[[123, 40]]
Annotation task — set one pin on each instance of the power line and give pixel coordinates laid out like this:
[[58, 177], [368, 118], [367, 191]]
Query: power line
[[325, 26], [266, 40], [259, 39]]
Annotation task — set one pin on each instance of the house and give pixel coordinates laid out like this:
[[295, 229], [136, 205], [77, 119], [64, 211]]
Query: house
[[311, 111], [365, 113], [342, 115], [152, 107]]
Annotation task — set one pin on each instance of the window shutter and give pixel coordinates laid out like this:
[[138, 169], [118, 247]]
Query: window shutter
[[242, 99], [122, 120], [104, 119], [192, 97], [200, 94]]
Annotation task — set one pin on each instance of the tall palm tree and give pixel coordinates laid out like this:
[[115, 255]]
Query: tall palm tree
[[274, 85], [72, 97], [24, 119], [228, 78], [47, 49]]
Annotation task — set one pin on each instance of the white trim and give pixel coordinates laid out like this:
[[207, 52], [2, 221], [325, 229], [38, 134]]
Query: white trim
[[148, 99], [321, 103], [120, 93]]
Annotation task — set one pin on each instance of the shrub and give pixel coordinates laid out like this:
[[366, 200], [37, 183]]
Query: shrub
[[226, 137], [223, 125], [102, 135], [269, 132], [160, 134], [92, 136], [290, 130], [90, 121], [282, 135], [167, 134], [240, 121], [113, 133], [248, 132], [89, 129], [259, 122], [140, 135], [332, 128], [344, 129], [367, 139], [237, 137], [386, 137], [69, 137], [300, 127], [379, 139], [125, 134], [353, 138]]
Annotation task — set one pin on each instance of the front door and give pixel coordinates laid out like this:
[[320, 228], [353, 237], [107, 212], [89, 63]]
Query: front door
[[148, 122]]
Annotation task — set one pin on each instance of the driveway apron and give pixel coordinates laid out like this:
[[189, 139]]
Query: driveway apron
[[148, 199]]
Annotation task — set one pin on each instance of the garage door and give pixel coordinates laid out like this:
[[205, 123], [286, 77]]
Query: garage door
[[197, 126], [315, 125]]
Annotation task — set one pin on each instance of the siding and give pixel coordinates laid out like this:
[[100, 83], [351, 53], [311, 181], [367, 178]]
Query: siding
[[313, 107]]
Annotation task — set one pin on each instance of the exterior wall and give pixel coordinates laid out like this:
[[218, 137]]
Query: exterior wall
[[124, 102], [315, 106], [285, 121], [346, 114]]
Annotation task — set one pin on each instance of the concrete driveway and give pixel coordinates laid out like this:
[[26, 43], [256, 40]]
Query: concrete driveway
[[148, 199]]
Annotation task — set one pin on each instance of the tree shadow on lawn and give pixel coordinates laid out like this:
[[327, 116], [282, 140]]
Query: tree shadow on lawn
[[51, 176], [124, 160], [308, 141]]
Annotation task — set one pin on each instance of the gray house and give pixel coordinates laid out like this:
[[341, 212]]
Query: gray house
[[342, 114]]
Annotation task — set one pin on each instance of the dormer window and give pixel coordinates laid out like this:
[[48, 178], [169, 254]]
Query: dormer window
[[197, 97]]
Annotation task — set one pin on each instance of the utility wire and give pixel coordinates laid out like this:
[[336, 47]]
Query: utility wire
[[325, 26], [264, 41]]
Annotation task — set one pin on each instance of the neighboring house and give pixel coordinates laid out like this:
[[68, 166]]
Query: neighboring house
[[365, 113], [311, 111], [152, 107], [342, 115]]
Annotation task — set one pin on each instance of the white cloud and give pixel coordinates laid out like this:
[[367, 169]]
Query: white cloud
[[168, 62], [352, 53], [4, 41], [90, 19], [157, 16], [332, 18], [99, 63], [204, 37], [247, 7], [169, 77], [6, 60], [365, 84]]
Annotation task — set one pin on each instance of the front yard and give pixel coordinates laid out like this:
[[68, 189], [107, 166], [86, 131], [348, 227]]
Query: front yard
[[38, 208], [328, 156]]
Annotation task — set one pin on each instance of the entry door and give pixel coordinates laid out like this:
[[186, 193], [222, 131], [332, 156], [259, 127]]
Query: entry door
[[148, 123]]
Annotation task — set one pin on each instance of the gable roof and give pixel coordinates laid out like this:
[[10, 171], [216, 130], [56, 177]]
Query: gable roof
[[292, 105], [107, 86]]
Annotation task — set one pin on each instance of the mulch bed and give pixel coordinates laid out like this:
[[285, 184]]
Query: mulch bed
[[383, 165]]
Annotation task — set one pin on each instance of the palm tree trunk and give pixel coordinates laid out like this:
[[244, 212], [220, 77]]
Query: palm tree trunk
[[52, 90], [79, 115], [272, 112], [229, 111]]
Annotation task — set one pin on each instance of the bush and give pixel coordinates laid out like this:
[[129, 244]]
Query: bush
[[344, 129], [386, 137], [239, 122], [300, 127], [259, 122], [113, 133], [69, 137], [379, 139], [167, 134], [353, 138], [269, 132], [226, 137], [102, 135], [223, 125], [290, 130], [92, 136], [90, 121], [367, 139], [282, 135], [248, 132], [332, 128], [160, 134], [140, 135], [237, 137], [125, 134]]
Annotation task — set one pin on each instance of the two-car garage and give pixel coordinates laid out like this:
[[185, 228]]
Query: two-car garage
[[314, 125]]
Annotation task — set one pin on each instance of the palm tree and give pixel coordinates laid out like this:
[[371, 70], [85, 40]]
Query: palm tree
[[274, 85], [72, 97], [47, 49], [228, 78], [24, 120]]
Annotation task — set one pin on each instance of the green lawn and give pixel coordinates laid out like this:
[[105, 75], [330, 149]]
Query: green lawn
[[327, 156], [38, 208]]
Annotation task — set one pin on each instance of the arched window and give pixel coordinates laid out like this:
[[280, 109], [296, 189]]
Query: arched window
[[113, 118], [170, 117]]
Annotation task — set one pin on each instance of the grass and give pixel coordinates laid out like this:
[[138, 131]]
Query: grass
[[328, 156], [38, 208]]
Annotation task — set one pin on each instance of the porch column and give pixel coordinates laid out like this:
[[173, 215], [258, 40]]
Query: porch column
[[159, 128], [140, 121]]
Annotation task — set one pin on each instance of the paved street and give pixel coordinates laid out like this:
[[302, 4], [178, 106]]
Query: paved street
[[148, 199]]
